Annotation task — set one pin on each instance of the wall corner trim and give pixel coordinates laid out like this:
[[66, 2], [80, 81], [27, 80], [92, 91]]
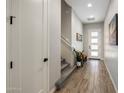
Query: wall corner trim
[[111, 78]]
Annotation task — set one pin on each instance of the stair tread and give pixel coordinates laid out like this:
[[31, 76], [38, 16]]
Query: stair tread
[[67, 71], [65, 74], [64, 66]]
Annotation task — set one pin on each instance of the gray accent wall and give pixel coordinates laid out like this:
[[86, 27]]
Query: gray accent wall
[[111, 52], [66, 20]]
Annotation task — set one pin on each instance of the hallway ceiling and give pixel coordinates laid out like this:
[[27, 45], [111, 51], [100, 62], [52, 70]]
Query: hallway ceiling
[[96, 13]]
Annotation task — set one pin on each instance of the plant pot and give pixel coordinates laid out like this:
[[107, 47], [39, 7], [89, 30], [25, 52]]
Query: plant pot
[[78, 63]]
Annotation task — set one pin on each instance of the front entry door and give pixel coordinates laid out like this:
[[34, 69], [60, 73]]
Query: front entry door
[[27, 46], [94, 44]]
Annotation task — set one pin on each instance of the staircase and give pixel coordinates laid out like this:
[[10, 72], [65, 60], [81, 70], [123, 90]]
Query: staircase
[[66, 71]]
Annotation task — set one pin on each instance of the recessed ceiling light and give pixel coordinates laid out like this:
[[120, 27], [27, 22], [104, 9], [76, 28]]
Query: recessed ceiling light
[[91, 16], [89, 5]]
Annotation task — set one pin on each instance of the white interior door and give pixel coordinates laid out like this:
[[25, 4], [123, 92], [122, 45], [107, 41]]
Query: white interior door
[[94, 44], [27, 46]]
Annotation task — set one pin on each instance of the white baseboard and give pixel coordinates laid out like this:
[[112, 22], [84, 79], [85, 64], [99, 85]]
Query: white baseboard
[[111, 78], [53, 90]]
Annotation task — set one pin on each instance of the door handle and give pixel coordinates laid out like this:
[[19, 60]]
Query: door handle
[[45, 59]]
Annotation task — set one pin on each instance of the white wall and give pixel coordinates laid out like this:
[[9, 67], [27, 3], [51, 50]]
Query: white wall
[[111, 52], [77, 27], [90, 27], [54, 25]]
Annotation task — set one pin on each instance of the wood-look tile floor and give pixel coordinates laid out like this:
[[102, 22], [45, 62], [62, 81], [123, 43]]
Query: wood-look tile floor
[[91, 78]]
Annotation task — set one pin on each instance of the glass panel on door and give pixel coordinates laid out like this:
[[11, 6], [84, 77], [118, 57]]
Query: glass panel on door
[[94, 47], [94, 53], [94, 40], [94, 34]]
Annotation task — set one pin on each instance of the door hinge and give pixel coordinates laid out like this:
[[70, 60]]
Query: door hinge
[[11, 64], [11, 19]]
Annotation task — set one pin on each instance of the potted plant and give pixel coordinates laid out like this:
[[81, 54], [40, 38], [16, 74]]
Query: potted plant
[[79, 59]]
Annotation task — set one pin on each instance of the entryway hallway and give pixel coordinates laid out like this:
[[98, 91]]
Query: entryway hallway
[[93, 77], [49, 44]]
